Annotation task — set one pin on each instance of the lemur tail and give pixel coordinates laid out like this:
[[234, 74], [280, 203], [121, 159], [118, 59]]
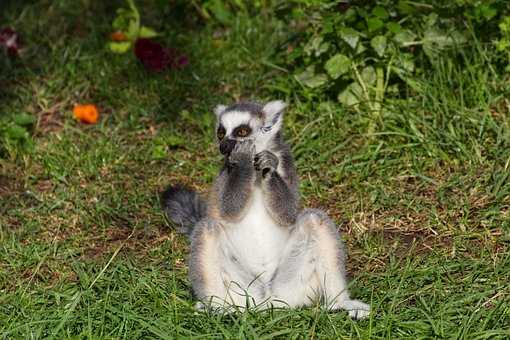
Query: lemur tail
[[184, 207]]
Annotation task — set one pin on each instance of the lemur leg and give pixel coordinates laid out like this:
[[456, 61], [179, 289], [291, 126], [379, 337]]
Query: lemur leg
[[204, 265], [313, 267], [218, 281]]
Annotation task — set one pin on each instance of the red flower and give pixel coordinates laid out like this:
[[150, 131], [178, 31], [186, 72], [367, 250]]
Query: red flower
[[152, 55], [156, 57], [10, 41]]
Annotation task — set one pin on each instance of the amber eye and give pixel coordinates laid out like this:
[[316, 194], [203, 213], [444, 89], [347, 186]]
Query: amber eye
[[221, 133], [242, 132]]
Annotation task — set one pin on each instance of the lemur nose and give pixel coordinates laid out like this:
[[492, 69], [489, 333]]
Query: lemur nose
[[227, 145]]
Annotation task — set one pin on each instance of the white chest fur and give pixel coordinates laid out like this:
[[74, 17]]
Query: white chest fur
[[257, 240]]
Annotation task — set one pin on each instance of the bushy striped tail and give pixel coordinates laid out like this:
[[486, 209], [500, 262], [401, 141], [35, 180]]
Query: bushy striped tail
[[184, 207]]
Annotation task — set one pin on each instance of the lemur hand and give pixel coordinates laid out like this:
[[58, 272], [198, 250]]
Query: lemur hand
[[266, 162], [242, 153]]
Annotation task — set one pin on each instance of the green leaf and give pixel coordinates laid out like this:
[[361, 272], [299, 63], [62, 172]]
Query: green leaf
[[405, 62], [404, 38], [158, 152], [220, 11], [394, 27], [133, 30], [310, 79], [405, 8], [350, 15], [436, 36], [24, 119], [380, 12], [16, 132], [374, 24], [404, 67], [119, 46], [360, 48], [368, 75], [351, 95], [350, 36], [174, 141], [121, 21], [431, 19], [147, 32], [435, 39], [379, 44], [338, 65], [316, 46], [486, 11], [133, 8], [504, 25], [503, 44], [186, 115], [119, 24]]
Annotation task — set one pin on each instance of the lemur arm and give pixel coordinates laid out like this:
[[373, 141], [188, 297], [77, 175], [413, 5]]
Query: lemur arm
[[280, 189], [238, 176], [282, 202]]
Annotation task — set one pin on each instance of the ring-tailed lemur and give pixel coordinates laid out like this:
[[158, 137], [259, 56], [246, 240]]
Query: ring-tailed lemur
[[250, 245]]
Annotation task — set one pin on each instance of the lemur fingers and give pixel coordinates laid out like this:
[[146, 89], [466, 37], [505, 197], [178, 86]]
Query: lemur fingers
[[265, 161], [243, 151]]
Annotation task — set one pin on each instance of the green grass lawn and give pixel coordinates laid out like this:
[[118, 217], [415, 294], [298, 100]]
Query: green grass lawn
[[423, 203]]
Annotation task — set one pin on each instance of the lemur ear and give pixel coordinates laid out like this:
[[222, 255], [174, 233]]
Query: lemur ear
[[219, 109], [273, 111]]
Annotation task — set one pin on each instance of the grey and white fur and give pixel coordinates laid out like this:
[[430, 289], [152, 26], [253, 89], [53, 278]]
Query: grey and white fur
[[251, 246]]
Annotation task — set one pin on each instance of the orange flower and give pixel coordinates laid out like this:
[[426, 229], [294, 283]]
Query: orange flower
[[87, 113], [118, 36]]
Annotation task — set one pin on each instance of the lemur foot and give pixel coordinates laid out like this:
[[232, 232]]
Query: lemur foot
[[357, 310], [243, 151], [265, 161], [200, 306], [216, 308]]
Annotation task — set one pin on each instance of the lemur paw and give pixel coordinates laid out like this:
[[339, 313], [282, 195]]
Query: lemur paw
[[266, 162], [214, 308], [242, 152], [357, 310], [199, 306]]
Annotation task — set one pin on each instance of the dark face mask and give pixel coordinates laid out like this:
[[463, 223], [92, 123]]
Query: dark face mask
[[226, 146]]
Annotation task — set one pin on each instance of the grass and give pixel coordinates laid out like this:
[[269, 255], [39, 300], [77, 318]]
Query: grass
[[423, 204]]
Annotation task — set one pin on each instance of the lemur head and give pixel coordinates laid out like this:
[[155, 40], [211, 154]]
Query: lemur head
[[248, 121]]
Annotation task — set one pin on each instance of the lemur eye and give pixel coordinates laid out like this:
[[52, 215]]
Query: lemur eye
[[243, 132], [221, 133]]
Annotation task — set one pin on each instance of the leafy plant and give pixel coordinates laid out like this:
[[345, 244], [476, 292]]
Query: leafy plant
[[127, 29], [15, 132], [217, 8], [503, 44], [361, 51]]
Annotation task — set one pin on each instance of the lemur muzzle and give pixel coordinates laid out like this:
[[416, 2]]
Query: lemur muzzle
[[227, 145]]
